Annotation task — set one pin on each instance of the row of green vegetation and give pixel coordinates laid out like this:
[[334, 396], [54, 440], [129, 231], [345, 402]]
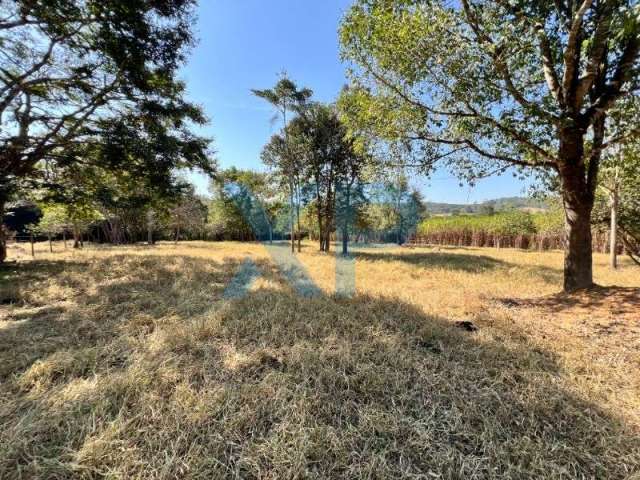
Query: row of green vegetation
[[504, 223]]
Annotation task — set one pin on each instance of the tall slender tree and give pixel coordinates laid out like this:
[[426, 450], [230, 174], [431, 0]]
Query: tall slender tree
[[288, 98]]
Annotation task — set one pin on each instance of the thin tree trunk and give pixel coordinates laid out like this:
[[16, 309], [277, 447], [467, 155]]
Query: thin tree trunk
[[64, 238], [345, 222], [50, 244], [150, 227], [33, 253], [298, 232], [76, 237], [613, 243], [319, 211], [291, 214], [3, 238]]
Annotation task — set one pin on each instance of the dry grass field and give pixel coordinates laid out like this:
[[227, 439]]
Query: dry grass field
[[129, 362]]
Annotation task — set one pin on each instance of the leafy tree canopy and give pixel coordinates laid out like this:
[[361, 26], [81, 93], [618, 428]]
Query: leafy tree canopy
[[487, 85]]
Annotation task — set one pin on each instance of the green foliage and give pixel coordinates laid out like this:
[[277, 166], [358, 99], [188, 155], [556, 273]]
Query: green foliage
[[506, 223], [551, 222], [55, 219], [467, 80], [244, 206], [285, 96], [105, 74], [317, 159]]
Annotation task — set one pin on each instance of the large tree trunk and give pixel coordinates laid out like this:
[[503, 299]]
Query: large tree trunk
[[578, 204], [578, 270]]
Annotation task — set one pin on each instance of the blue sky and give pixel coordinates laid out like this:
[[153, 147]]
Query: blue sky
[[244, 44]]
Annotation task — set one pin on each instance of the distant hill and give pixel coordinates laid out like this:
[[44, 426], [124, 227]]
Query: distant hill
[[497, 205]]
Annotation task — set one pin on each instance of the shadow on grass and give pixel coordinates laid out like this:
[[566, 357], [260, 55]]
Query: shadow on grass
[[449, 261], [140, 377], [619, 300], [461, 261]]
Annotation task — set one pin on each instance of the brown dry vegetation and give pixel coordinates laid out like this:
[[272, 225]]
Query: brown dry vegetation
[[128, 363]]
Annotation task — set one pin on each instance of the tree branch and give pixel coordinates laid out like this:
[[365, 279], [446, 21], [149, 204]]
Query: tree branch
[[572, 54], [613, 90], [548, 68], [598, 54]]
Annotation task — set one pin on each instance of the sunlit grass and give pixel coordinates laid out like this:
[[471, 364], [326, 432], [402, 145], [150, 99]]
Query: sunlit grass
[[127, 362]]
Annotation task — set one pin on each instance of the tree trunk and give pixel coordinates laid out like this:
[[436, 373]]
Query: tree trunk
[[50, 244], [76, 237], [578, 269], [150, 227], [320, 229], [578, 194], [346, 216], [298, 218], [578, 203], [613, 243], [3, 237], [33, 253], [64, 238], [293, 241], [327, 241]]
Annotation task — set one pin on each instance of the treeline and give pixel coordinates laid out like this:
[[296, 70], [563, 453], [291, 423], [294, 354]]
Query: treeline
[[487, 207], [250, 205], [245, 205], [183, 216]]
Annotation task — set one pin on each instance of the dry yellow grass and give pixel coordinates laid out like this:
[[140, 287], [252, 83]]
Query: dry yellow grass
[[127, 362]]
